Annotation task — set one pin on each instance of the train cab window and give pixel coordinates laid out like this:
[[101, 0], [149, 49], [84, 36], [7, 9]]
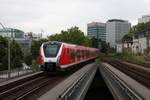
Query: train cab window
[[51, 50]]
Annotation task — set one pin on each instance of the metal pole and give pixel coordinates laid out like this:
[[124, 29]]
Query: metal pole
[[98, 42], [97, 35], [8, 51]]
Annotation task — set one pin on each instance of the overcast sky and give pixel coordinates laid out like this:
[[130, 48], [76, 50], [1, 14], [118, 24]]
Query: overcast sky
[[52, 16]]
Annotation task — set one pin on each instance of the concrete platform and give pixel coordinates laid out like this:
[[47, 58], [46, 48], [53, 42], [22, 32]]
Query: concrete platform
[[122, 86], [63, 88]]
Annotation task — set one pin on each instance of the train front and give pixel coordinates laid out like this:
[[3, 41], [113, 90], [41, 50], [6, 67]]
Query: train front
[[49, 54]]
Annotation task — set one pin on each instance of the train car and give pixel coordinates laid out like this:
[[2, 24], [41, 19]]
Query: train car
[[59, 56]]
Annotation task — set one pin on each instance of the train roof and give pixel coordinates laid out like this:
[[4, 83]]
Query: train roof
[[78, 46]]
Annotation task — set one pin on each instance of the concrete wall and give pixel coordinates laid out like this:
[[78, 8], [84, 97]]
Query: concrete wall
[[139, 45]]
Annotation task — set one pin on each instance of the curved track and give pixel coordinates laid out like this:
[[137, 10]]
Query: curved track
[[140, 74]]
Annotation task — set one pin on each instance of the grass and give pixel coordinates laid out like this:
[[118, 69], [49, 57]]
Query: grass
[[130, 57], [135, 58]]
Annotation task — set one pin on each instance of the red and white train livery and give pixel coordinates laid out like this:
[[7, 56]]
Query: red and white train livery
[[57, 56]]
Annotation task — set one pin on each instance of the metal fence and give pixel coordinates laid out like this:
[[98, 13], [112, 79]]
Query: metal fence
[[15, 73]]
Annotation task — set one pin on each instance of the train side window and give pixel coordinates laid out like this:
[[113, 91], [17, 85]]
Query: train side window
[[67, 50], [82, 53], [77, 52], [72, 54]]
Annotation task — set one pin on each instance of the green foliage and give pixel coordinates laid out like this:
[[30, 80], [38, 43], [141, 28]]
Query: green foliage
[[140, 28], [104, 47], [15, 52], [102, 57], [129, 56], [3, 53], [72, 35], [35, 49], [94, 42], [28, 59], [148, 57], [34, 65], [87, 41], [55, 37], [16, 55]]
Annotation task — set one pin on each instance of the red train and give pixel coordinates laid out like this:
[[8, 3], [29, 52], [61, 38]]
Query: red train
[[58, 56]]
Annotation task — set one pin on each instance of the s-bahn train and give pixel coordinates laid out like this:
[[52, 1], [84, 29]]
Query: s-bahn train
[[59, 56]]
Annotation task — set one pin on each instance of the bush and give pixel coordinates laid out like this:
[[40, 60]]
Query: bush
[[148, 57], [34, 65], [28, 59]]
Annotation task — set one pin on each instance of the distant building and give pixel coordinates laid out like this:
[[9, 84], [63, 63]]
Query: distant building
[[115, 30], [144, 19], [33, 36], [97, 30], [140, 43], [12, 33], [125, 45], [19, 37]]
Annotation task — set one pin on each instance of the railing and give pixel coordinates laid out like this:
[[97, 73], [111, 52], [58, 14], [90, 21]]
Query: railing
[[16, 73]]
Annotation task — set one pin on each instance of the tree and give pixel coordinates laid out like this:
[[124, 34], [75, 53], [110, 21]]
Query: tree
[[55, 37], [28, 59], [35, 50], [72, 35], [76, 36], [3, 53], [104, 47], [87, 41], [140, 28], [30, 34], [35, 47], [94, 42], [16, 55]]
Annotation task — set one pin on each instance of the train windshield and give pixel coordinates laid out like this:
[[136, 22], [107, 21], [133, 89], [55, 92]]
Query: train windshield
[[51, 49]]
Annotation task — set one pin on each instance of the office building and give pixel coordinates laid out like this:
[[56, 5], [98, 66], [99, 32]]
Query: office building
[[144, 19], [115, 30], [97, 30]]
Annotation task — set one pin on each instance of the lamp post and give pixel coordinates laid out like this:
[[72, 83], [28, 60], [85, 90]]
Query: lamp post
[[97, 32], [8, 50]]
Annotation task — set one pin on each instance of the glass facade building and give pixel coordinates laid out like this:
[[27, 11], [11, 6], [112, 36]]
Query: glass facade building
[[97, 30], [115, 30]]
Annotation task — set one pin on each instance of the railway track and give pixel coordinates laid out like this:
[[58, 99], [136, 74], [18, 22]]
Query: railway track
[[140, 74], [31, 88], [144, 64], [27, 88]]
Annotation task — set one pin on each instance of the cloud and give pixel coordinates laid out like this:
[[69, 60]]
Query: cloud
[[54, 15]]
